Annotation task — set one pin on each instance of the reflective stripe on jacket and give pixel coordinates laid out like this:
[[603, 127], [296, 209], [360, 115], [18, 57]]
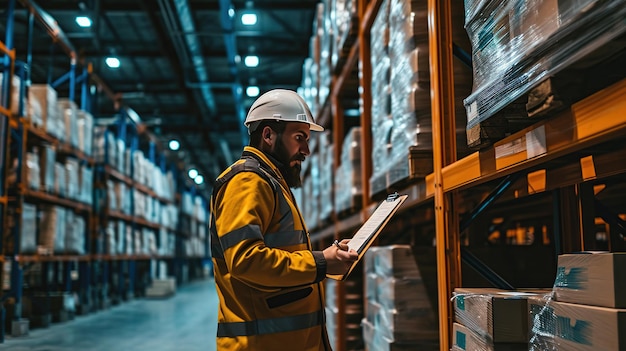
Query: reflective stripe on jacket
[[267, 277]]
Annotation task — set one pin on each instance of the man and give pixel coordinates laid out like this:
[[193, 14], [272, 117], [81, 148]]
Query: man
[[269, 281]]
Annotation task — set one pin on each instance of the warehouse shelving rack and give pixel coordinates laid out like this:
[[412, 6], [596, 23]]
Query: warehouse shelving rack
[[86, 275], [582, 152], [24, 135], [5, 123]]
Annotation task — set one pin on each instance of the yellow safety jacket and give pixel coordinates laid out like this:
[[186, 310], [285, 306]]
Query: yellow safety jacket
[[267, 276]]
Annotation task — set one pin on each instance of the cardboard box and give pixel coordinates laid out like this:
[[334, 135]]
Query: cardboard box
[[42, 104], [592, 279], [395, 261], [567, 326], [463, 338], [499, 315]]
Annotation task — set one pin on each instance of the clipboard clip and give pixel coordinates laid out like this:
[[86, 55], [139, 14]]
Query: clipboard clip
[[392, 197]]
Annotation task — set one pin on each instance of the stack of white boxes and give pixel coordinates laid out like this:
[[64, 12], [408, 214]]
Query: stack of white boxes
[[382, 123], [42, 105], [399, 314], [492, 319], [332, 310], [588, 311], [28, 239], [343, 19], [68, 113], [16, 82], [326, 152], [60, 231], [348, 188]]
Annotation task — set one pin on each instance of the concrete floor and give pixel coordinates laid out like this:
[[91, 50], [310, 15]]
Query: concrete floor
[[186, 321]]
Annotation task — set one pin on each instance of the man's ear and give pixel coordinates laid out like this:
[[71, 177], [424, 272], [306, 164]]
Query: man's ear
[[267, 135]]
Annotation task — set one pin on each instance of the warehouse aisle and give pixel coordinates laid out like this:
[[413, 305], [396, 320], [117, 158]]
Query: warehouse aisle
[[186, 321]]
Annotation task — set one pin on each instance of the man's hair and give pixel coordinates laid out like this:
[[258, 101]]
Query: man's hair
[[257, 135]]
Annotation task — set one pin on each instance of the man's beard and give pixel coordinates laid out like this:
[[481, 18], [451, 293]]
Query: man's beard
[[291, 174]]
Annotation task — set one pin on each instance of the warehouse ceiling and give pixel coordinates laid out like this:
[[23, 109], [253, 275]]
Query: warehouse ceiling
[[181, 63]]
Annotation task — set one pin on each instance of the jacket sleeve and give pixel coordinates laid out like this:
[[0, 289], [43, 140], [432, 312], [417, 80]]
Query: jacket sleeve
[[243, 213]]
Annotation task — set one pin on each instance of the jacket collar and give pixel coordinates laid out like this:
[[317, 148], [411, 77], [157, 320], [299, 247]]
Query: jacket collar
[[266, 162]]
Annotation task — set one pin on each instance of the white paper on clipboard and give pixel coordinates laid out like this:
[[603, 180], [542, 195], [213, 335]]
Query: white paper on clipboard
[[368, 232]]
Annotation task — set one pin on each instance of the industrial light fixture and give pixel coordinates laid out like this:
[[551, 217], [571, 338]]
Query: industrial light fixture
[[83, 21], [193, 173], [199, 179], [174, 145], [251, 61], [112, 62], [248, 19], [252, 91]]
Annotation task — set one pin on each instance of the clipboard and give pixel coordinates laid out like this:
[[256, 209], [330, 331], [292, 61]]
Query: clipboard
[[369, 231]]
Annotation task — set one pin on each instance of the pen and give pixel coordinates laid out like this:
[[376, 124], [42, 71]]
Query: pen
[[336, 243]]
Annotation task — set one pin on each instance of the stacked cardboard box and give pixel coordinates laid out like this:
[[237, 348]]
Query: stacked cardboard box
[[492, 319], [326, 152], [344, 22], [42, 102], [84, 126], [399, 314], [381, 97], [68, 112], [33, 171], [588, 311], [348, 188], [516, 45], [16, 83], [332, 310], [47, 159]]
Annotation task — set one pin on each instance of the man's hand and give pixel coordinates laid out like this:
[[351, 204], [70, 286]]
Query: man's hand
[[339, 257]]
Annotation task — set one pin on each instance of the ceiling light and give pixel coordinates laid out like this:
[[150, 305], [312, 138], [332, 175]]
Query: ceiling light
[[199, 179], [251, 61], [83, 21], [193, 173], [252, 91], [112, 62], [248, 19], [174, 145]]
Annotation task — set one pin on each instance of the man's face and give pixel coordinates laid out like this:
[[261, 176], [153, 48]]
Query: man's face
[[290, 149]]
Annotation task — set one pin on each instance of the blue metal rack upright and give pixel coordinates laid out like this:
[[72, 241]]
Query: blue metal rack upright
[[5, 114], [62, 267]]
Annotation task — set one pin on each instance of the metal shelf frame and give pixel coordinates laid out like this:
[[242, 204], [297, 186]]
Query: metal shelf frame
[[566, 168]]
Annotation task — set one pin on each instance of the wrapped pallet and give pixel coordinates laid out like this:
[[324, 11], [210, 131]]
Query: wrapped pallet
[[52, 228], [344, 21], [120, 238], [496, 317], [326, 166], [399, 312], [86, 184], [75, 238], [42, 101], [47, 161], [85, 128], [16, 83], [381, 97], [112, 200], [60, 179], [28, 234], [68, 112], [32, 172], [72, 176], [518, 44]]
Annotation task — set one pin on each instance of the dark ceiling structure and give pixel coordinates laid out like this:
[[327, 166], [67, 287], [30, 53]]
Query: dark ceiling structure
[[182, 66]]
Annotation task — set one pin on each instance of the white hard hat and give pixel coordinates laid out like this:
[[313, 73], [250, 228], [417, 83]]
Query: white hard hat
[[280, 105]]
